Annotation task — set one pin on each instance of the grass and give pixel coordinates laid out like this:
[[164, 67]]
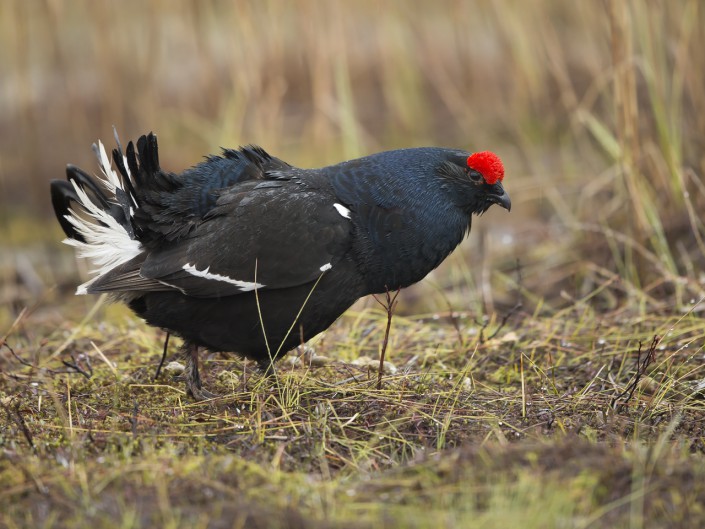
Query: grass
[[582, 407], [558, 420]]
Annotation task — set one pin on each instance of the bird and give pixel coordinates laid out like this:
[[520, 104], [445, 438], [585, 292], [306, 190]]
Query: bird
[[246, 253]]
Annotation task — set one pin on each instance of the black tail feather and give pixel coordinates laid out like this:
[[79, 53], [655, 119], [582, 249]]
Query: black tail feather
[[62, 194], [126, 198], [133, 165], [119, 161], [147, 201], [85, 181], [149, 153]]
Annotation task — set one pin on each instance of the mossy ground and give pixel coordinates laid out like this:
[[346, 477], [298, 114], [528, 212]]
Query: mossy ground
[[572, 420]]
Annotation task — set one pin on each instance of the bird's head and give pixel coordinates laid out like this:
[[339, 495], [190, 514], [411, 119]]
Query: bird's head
[[475, 181]]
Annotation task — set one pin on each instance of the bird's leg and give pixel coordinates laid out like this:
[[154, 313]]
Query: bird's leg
[[161, 362], [266, 367], [191, 375]]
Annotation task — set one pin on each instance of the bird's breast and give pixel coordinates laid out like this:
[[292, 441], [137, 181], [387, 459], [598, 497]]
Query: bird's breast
[[403, 249]]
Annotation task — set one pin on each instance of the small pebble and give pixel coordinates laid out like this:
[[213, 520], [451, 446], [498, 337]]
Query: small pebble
[[174, 368]]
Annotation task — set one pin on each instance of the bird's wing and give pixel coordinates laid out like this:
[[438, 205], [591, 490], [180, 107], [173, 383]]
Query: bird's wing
[[260, 235], [168, 205]]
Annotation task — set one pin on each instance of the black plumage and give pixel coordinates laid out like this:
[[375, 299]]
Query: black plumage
[[246, 253]]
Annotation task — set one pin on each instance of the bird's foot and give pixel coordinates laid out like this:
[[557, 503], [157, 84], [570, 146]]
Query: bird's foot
[[199, 393], [191, 376]]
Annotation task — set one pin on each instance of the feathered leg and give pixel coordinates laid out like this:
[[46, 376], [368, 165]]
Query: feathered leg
[[191, 375], [266, 367]]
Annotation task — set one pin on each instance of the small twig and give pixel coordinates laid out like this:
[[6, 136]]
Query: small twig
[[453, 318], [133, 420], [17, 357], [517, 306], [505, 319], [73, 365], [520, 281], [17, 417], [389, 304], [23, 426], [641, 367], [455, 322], [301, 337], [22, 315], [483, 325], [161, 362]]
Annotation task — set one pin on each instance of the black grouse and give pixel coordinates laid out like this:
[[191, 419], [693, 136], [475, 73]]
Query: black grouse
[[246, 253]]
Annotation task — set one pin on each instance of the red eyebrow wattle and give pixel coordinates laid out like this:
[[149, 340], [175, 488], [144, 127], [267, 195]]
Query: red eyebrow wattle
[[488, 165]]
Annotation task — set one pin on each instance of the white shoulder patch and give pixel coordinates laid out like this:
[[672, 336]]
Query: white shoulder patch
[[345, 212], [244, 286]]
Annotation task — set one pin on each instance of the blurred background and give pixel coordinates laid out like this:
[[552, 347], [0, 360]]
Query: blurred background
[[597, 109]]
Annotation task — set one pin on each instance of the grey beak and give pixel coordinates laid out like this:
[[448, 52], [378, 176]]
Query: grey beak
[[502, 200]]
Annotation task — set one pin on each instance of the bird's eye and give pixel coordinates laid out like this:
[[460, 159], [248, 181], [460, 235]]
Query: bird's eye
[[475, 176]]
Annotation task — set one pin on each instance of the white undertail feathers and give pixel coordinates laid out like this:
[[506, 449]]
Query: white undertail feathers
[[107, 242]]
